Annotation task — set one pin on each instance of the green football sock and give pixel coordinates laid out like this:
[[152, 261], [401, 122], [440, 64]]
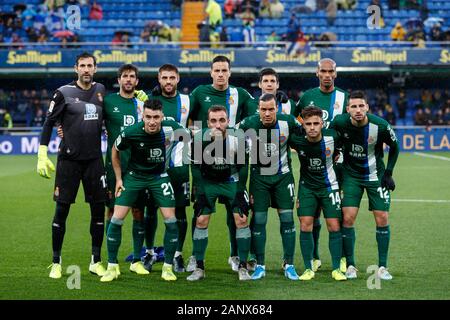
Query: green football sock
[[243, 239], [316, 234], [306, 247], [348, 239], [252, 254], [259, 236], [150, 225], [383, 235], [335, 246], [180, 213], [107, 222], [170, 239], [113, 239], [200, 240], [138, 239], [287, 230]]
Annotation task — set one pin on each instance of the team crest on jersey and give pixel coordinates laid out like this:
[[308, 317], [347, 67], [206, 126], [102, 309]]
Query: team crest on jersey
[[183, 109], [328, 152], [90, 112], [282, 138], [231, 100], [336, 105], [370, 140]]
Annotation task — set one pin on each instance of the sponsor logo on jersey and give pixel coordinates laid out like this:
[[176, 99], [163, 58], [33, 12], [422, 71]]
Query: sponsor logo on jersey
[[315, 164], [90, 112], [156, 156], [325, 114], [128, 120], [357, 151]]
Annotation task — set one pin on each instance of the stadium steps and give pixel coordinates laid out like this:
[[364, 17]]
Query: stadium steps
[[193, 14]]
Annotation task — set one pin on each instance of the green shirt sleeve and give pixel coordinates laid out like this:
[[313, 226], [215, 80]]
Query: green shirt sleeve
[[391, 140]]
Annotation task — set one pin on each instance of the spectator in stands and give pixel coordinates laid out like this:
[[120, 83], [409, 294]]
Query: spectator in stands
[[394, 4], [229, 8], [398, 33], [276, 9], [16, 42], [436, 33], [402, 106], [389, 115], [7, 119], [346, 4], [249, 34], [176, 4], [96, 12], [204, 34], [419, 118], [264, 9], [293, 28], [428, 116], [426, 98], [447, 116], [214, 13], [412, 4], [438, 119], [175, 34], [223, 37], [248, 17], [437, 100], [380, 99], [273, 37], [331, 11]]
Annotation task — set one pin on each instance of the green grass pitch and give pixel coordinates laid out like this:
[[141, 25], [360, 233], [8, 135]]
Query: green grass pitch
[[418, 257]]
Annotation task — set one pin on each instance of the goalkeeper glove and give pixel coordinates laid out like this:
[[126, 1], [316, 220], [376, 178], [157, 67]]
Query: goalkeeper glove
[[282, 97], [387, 181], [241, 202], [140, 95], [44, 165]]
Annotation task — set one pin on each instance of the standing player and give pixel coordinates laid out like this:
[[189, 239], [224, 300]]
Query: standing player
[[318, 188], [151, 143], [363, 137], [269, 83], [239, 104], [121, 110], [219, 177], [332, 100], [271, 179], [176, 106], [78, 108]]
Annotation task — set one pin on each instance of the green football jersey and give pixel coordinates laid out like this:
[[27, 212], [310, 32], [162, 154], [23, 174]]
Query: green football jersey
[[363, 146], [176, 108], [219, 161], [332, 103], [238, 101], [150, 153], [119, 113], [316, 158], [271, 144]]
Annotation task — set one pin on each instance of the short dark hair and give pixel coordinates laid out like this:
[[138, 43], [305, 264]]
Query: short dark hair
[[153, 104], [311, 111], [168, 67], [85, 55], [216, 108], [267, 97], [127, 67], [221, 59], [267, 72], [358, 94]]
